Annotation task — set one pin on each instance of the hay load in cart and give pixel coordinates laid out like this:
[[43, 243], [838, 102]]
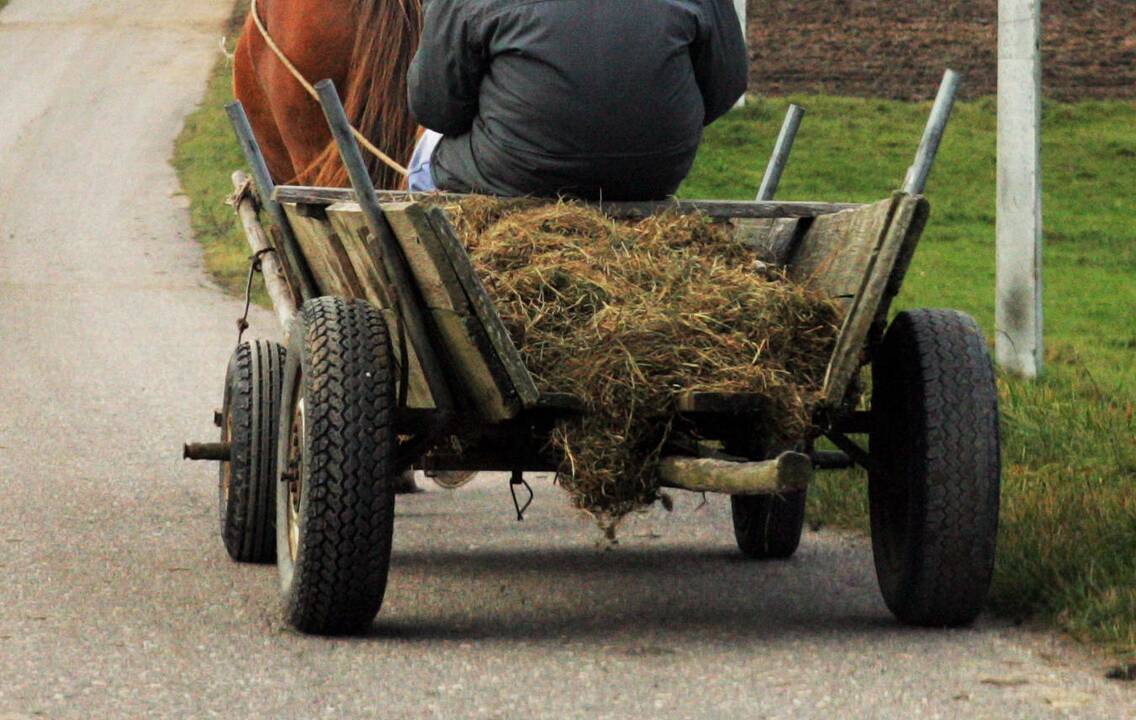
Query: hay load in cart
[[394, 346]]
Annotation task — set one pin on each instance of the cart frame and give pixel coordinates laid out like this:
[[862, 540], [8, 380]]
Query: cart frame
[[457, 372]]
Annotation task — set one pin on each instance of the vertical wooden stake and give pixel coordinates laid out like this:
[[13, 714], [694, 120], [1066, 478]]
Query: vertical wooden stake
[[300, 273], [1018, 314]]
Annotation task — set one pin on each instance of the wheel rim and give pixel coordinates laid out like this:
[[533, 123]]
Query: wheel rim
[[227, 467], [294, 474]]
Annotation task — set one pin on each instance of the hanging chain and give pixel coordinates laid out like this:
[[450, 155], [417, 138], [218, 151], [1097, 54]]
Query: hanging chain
[[519, 479], [254, 268]]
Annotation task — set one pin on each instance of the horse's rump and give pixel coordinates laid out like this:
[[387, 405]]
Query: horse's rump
[[365, 46], [386, 38]]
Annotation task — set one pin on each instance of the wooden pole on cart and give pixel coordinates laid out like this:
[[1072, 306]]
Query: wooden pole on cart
[[270, 265], [393, 264], [780, 157], [262, 179], [1018, 319]]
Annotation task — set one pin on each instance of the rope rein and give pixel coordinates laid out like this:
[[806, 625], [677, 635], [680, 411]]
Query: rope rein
[[363, 141]]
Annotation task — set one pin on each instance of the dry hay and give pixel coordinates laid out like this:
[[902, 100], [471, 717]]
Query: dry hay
[[627, 315]]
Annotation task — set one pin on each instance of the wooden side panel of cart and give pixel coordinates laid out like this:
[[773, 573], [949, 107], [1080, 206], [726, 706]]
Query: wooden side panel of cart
[[341, 262], [855, 254], [487, 370], [858, 258]]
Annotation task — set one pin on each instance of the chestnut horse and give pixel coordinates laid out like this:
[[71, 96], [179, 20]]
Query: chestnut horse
[[365, 46]]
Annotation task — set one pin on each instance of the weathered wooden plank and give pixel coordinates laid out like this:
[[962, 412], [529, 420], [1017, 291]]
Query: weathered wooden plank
[[354, 237], [315, 237], [566, 403], [788, 471], [482, 307], [720, 403], [728, 209], [898, 239], [773, 239], [418, 395], [906, 253], [472, 368], [272, 267], [431, 268], [472, 356], [711, 208], [837, 250]]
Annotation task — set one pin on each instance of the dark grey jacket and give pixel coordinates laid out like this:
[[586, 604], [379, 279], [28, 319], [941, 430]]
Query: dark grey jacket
[[584, 97]]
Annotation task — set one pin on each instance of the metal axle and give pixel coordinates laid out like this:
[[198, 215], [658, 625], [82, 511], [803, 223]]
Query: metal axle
[[219, 452]]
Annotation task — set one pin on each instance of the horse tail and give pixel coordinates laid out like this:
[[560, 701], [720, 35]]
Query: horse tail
[[386, 38]]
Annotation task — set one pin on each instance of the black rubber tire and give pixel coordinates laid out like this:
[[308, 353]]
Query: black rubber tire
[[935, 480], [249, 415], [768, 527], [334, 558]]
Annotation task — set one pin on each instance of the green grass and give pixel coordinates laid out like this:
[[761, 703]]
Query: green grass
[[1068, 534], [205, 156]]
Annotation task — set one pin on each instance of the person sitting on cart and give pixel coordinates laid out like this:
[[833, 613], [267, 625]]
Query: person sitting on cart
[[598, 99]]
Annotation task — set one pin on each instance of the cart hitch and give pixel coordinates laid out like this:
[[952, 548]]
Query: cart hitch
[[519, 479]]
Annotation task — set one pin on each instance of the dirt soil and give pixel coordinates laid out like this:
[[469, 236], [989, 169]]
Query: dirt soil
[[899, 50]]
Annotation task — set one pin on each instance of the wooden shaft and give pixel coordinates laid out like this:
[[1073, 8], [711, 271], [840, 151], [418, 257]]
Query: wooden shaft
[[270, 265], [788, 471], [265, 188], [720, 209]]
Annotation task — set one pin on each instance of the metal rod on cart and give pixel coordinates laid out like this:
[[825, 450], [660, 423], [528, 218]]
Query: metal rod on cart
[[221, 452], [780, 157], [264, 187], [917, 174], [270, 266], [393, 262]]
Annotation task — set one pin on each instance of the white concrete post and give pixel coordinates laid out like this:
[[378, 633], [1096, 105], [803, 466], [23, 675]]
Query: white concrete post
[[1018, 313], [740, 8]]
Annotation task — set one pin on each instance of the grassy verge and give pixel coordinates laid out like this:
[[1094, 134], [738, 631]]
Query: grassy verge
[[205, 156], [1069, 515]]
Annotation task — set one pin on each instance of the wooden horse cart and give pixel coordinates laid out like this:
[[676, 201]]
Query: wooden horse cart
[[392, 345]]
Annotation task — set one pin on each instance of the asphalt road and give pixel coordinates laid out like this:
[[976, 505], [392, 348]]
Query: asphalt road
[[117, 599]]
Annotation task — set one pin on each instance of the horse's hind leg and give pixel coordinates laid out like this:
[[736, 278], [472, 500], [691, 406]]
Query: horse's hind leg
[[248, 89]]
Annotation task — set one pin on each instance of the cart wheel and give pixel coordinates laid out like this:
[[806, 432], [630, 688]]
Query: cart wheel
[[335, 505], [768, 527], [249, 417], [934, 486]]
